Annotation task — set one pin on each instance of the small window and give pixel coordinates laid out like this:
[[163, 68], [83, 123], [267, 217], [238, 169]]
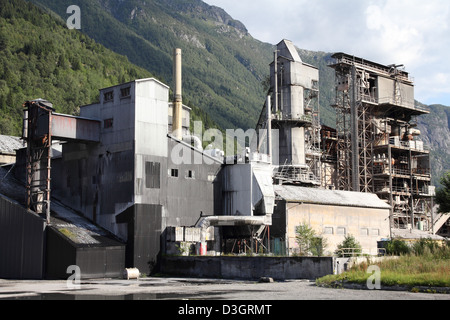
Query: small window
[[328, 230], [341, 231], [375, 232], [108, 123], [364, 232], [190, 174], [174, 173], [109, 96], [125, 92]]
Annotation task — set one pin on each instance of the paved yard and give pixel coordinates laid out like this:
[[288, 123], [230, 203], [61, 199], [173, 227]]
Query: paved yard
[[194, 289]]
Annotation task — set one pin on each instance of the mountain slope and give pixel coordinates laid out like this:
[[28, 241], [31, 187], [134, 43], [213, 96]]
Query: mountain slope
[[41, 58], [435, 129], [223, 65]]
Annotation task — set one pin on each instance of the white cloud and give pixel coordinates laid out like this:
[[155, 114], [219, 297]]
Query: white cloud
[[415, 33]]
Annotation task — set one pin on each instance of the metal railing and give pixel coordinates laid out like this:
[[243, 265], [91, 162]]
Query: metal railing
[[357, 252]]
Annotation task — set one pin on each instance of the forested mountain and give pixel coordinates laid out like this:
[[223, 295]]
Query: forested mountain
[[41, 58]]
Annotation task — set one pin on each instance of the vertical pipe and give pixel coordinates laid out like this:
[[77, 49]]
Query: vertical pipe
[[49, 166], [391, 197], [354, 131], [177, 123], [269, 129], [431, 200], [275, 62]]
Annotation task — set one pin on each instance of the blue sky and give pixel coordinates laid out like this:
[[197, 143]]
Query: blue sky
[[414, 33]]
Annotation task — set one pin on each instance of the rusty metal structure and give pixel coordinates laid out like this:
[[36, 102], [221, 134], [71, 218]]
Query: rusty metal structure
[[41, 125], [378, 149], [38, 135]]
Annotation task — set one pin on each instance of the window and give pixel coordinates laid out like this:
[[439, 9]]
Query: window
[[190, 174], [341, 231], [328, 230], [125, 92], [108, 123], [364, 232], [108, 96], [375, 232], [174, 173], [152, 175]]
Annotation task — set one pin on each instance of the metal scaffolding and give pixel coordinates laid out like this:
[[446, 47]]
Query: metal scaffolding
[[376, 149]]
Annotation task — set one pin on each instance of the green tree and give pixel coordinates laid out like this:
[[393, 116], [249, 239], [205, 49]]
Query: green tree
[[318, 246], [303, 236], [397, 247], [349, 247], [443, 194], [308, 242]]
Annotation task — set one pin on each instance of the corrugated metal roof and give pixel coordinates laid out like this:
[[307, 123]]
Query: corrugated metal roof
[[9, 145], [329, 197]]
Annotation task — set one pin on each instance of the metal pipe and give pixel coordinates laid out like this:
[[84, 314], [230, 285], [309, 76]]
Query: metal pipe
[[276, 80], [219, 221], [354, 133], [269, 129], [177, 124]]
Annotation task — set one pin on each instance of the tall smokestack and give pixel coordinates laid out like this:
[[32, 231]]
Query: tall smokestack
[[177, 124]]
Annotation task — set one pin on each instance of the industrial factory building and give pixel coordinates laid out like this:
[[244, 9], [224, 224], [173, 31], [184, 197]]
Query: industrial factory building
[[127, 182]]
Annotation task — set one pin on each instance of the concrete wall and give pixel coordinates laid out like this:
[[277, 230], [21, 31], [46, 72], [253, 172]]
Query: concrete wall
[[367, 225], [248, 268]]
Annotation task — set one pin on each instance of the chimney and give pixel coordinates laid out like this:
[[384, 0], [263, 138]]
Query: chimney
[[177, 123]]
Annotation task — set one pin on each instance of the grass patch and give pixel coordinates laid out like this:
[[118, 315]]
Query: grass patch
[[430, 268]]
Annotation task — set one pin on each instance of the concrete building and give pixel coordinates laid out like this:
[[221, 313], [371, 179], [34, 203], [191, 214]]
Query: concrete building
[[332, 214], [130, 183], [294, 116]]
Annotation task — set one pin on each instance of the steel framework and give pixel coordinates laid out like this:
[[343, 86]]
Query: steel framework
[[376, 151]]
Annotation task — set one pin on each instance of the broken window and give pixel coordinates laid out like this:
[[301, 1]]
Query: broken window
[[125, 92], [108, 96]]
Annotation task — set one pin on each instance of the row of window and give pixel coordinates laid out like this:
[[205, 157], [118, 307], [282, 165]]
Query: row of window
[[124, 93], [153, 176], [174, 173], [343, 231]]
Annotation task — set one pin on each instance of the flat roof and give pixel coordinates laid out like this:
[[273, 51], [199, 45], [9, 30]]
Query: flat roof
[[329, 197], [385, 68]]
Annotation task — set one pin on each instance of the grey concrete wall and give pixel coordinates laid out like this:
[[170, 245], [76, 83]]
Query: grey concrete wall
[[248, 268]]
